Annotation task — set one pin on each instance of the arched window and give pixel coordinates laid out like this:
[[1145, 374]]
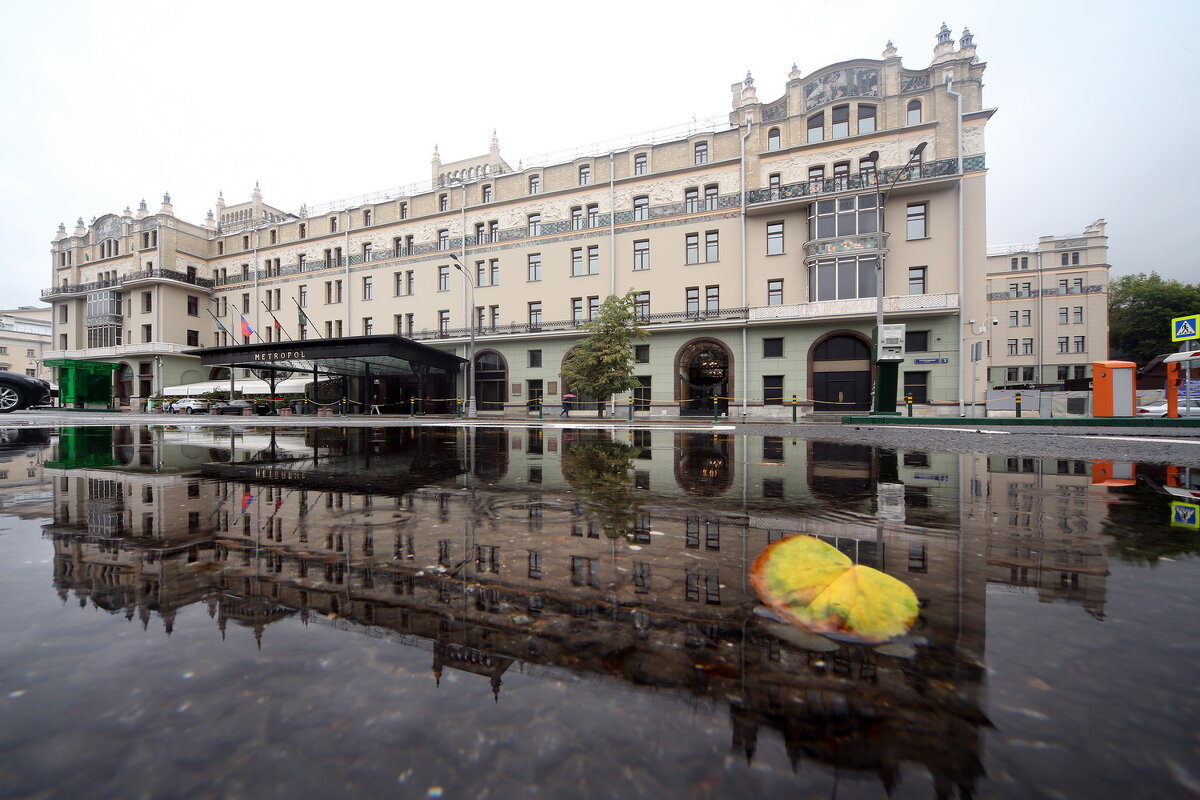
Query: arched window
[[914, 112], [585, 175], [866, 118], [816, 127], [700, 152], [491, 374], [640, 164], [443, 202], [641, 208], [535, 184], [773, 139], [840, 119]]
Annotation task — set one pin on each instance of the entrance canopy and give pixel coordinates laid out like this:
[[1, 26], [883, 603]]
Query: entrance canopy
[[350, 356]]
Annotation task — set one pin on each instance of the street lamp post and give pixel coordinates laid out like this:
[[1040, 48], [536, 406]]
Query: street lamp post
[[887, 369], [977, 356], [471, 351]]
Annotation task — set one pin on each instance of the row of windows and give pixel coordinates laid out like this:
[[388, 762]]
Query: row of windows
[[1065, 260], [1066, 344], [1066, 315], [1065, 286], [839, 123]]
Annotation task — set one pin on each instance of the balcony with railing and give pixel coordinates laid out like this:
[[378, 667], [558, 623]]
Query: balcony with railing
[[856, 306], [869, 179], [120, 351], [126, 278]]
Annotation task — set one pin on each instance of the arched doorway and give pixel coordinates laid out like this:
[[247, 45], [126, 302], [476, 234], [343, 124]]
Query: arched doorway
[[703, 368], [218, 374], [491, 377], [840, 377], [123, 382]]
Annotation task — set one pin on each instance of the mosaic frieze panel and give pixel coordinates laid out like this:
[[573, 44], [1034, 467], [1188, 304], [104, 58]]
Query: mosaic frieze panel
[[775, 111], [913, 83], [852, 82]]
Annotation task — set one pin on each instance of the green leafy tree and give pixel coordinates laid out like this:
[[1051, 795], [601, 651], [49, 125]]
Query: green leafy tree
[[1140, 310], [600, 469], [602, 364]]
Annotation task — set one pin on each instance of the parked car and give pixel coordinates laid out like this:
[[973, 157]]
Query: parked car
[[21, 391], [189, 405], [1187, 408], [232, 406]]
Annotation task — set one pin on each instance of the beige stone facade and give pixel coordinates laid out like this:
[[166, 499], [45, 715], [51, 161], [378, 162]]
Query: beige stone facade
[[756, 243], [1047, 309], [24, 340]]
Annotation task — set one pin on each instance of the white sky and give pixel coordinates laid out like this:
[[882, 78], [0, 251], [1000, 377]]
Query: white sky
[[108, 103]]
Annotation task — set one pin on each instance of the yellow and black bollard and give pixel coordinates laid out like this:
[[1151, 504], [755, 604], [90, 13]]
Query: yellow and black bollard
[[1018, 399], [541, 407], [715, 417], [793, 409], [412, 407], [908, 400], [344, 401], [630, 409]]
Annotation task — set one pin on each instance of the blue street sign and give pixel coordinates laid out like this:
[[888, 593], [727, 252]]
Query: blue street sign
[[1184, 328], [1185, 515], [931, 361]]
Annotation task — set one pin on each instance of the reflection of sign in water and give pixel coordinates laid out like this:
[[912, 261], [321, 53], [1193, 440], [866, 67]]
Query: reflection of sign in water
[[1185, 515], [1189, 389], [1184, 328], [858, 82]]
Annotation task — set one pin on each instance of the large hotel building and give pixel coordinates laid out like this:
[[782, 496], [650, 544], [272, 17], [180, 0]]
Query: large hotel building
[[762, 248]]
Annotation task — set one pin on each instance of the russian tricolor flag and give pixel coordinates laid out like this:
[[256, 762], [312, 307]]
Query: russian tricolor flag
[[247, 331]]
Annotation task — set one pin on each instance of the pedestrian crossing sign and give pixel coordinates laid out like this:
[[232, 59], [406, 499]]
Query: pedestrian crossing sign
[[1184, 328], [1185, 515]]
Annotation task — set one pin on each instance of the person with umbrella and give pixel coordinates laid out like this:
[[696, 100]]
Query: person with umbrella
[[566, 405]]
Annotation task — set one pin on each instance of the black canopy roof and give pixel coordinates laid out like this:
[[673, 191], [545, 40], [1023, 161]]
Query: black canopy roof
[[350, 355]]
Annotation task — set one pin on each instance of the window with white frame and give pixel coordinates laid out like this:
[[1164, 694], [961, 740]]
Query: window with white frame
[[915, 221], [641, 254], [700, 152], [641, 208], [585, 174], [534, 262], [641, 163], [843, 278], [774, 238], [916, 280], [914, 112], [774, 140], [775, 292]]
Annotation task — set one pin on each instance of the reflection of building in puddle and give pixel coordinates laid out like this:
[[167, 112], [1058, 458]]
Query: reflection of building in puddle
[[1045, 527], [489, 577], [22, 489]]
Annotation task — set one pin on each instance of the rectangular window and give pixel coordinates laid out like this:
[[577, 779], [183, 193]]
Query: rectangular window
[[772, 390], [368, 288], [692, 298], [1027, 347], [193, 338], [844, 216], [843, 278], [444, 321], [711, 249], [710, 197], [443, 278], [1012, 347], [916, 341], [641, 254], [1077, 314], [1026, 318], [641, 397], [535, 358], [577, 218], [535, 315], [917, 228], [535, 266], [691, 248], [712, 299], [1064, 344], [576, 261], [593, 262], [839, 122], [193, 306], [576, 309], [367, 217], [494, 272], [775, 292], [535, 184], [1062, 315], [774, 238], [148, 302], [691, 201], [1080, 343], [368, 326], [773, 347], [916, 280], [816, 127], [593, 215], [641, 305], [866, 119], [641, 354], [333, 224]]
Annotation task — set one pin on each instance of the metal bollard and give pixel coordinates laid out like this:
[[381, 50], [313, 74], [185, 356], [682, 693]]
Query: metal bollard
[[715, 417], [1018, 399], [343, 406], [541, 407], [908, 402], [793, 409], [458, 408], [412, 407], [631, 409]]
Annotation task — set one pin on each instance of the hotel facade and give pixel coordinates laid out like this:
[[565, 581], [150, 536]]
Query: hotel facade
[[762, 248]]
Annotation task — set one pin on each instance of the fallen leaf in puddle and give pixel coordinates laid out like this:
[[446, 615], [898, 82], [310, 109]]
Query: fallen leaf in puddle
[[1038, 684], [818, 588]]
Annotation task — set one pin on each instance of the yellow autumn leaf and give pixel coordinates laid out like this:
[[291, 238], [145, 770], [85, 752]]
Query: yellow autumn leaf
[[817, 587]]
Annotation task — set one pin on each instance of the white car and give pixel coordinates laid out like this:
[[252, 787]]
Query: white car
[[1187, 408], [189, 405]]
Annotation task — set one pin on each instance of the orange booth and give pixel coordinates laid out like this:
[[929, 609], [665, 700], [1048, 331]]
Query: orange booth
[[1114, 389]]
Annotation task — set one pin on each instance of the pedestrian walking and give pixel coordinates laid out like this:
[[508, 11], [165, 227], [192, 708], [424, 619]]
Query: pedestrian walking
[[566, 405]]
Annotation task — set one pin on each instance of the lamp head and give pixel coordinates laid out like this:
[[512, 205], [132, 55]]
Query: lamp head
[[919, 148], [873, 155]]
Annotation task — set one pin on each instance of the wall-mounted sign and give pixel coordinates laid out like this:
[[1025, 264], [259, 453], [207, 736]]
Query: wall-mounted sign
[[931, 361]]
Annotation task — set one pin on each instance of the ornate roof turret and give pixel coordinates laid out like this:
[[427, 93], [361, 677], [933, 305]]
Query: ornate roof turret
[[967, 40], [794, 75], [943, 36], [141, 212], [166, 205], [209, 222], [62, 232], [79, 229], [944, 49], [889, 51]]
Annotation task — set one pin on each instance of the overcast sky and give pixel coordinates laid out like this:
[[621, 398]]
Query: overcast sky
[[108, 103]]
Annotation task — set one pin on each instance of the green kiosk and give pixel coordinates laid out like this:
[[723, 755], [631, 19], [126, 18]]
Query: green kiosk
[[84, 383]]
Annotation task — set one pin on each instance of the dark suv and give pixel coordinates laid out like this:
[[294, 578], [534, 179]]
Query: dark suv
[[21, 391]]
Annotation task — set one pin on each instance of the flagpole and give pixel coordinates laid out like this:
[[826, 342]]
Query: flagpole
[[224, 330], [303, 321], [278, 324]]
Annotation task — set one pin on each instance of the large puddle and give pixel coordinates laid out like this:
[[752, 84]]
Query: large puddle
[[499, 613]]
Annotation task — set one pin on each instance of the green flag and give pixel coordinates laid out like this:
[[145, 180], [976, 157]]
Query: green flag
[[303, 320]]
